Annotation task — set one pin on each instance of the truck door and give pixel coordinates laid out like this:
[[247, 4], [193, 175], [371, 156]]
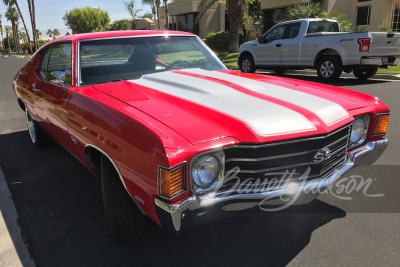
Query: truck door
[[269, 51], [291, 44]]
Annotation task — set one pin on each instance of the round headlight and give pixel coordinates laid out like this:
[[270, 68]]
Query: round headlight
[[359, 130], [205, 171]]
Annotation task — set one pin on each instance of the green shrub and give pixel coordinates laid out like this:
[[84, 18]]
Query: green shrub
[[219, 41]]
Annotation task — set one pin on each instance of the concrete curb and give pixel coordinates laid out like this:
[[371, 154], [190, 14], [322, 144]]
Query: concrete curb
[[344, 75], [13, 251]]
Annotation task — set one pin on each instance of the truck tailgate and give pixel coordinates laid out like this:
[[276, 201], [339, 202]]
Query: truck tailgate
[[384, 44]]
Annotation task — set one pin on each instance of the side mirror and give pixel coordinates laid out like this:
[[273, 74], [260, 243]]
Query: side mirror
[[260, 39], [59, 77]]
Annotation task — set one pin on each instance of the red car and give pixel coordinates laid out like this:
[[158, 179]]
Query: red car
[[173, 134]]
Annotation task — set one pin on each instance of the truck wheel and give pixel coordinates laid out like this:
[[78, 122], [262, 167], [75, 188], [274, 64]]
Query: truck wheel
[[38, 137], [123, 217], [365, 73], [329, 68], [247, 64]]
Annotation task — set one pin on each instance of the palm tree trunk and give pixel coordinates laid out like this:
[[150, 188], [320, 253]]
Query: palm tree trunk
[[166, 15], [26, 29], [235, 16], [158, 3], [32, 23]]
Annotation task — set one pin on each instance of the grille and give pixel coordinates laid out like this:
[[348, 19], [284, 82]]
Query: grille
[[296, 156]]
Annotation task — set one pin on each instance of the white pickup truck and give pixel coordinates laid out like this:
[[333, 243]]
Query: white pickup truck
[[319, 44]]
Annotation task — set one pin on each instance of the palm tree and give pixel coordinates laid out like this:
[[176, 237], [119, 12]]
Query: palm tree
[[155, 4], [49, 33], [31, 7], [166, 15], [13, 16], [38, 34], [23, 36], [56, 33], [8, 30], [130, 7], [1, 31], [15, 2], [235, 10]]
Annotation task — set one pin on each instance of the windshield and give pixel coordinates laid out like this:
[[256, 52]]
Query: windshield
[[108, 60]]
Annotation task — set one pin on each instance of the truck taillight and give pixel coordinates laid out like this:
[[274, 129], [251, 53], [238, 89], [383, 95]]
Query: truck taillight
[[364, 44]]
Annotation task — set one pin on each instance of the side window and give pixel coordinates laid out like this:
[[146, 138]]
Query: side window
[[42, 64], [292, 30], [59, 67], [275, 34]]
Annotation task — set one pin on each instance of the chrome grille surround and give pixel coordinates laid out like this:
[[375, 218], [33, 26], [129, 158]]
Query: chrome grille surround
[[262, 161]]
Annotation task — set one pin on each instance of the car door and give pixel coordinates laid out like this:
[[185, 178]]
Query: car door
[[291, 44], [269, 51], [51, 90]]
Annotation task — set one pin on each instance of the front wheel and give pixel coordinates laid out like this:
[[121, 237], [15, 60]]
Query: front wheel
[[329, 68], [123, 217], [365, 73], [247, 64]]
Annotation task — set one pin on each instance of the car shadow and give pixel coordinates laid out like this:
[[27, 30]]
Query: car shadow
[[59, 204]]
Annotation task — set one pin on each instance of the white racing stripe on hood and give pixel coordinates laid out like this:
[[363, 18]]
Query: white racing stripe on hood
[[328, 111], [265, 117]]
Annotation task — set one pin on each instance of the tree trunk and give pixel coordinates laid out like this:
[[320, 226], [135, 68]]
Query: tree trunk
[[34, 22], [158, 3], [26, 29], [234, 37], [166, 15], [235, 16]]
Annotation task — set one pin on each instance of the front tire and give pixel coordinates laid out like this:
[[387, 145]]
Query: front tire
[[329, 68], [365, 73], [38, 137], [123, 217], [247, 64]]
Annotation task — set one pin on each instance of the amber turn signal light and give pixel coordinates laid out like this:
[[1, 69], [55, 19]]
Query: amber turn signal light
[[381, 124], [171, 181]]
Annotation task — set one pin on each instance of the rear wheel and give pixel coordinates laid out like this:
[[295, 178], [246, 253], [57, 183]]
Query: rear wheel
[[38, 137], [365, 73], [123, 217], [247, 64], [329, 68]]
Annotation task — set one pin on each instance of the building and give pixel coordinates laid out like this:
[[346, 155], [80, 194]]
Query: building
[[369, 15], [183, 14]]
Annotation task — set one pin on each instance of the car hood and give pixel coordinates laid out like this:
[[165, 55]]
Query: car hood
[[204, 105]]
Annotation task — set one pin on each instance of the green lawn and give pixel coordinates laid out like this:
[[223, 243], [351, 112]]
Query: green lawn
[[229, 59]]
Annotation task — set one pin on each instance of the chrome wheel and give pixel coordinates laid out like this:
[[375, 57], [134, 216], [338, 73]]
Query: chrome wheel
[[31, 126], [327, 68], [246, 65]]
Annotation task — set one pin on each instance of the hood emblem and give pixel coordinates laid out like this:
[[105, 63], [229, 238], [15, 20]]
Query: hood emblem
[[322, 155]]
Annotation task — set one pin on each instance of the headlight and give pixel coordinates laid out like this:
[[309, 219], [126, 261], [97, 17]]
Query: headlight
[[359, 130], [205, 170]]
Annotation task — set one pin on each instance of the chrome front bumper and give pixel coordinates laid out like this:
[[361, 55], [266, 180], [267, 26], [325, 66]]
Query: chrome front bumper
[[172, 217]]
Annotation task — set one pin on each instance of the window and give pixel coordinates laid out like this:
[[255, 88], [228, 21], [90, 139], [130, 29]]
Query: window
[[363, 14], [43, 61], [396, 18], [59, 66], [187, 23], [322, 26], [292, 30], [275, 34]]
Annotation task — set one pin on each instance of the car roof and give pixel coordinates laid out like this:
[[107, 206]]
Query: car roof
[[96, 35]]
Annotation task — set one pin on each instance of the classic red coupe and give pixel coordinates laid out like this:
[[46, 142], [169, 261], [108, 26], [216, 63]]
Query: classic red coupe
[[173, 134]]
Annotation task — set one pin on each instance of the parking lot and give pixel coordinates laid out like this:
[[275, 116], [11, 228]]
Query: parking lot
[[60, 211]]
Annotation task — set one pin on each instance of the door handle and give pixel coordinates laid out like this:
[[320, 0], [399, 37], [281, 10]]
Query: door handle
[[36, 90], [278, 45]]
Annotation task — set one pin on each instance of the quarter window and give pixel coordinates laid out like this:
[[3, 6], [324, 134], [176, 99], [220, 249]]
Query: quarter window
[[43, 61], [59, 67]]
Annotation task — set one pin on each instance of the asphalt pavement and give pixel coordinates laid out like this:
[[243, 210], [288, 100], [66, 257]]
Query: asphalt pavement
[[60, 212]]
